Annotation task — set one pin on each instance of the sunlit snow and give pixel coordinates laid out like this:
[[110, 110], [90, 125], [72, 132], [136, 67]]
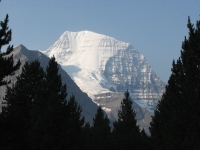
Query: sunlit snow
[[87, 56]]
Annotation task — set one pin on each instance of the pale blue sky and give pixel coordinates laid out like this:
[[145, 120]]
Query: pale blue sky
[[156, 28]]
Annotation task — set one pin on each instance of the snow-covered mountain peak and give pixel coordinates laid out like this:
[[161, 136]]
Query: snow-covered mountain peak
[[82, 48], [85, 34], [101, 64], [105, 68], [75, 34]]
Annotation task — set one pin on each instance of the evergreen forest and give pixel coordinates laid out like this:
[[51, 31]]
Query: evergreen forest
[[36, 114]]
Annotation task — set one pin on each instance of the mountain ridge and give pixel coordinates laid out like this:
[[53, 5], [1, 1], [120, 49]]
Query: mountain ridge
[[22, 53], [112, 99], [103, 66], [88, 56]]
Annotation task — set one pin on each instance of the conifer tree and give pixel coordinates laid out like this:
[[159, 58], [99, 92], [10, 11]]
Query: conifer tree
[[86, 137], [176, 119], [126, 132], [7, 66], [56, 91], [50, 111], [57, 123], [100, 131], [16, 116], [38, 115], [75, 123]]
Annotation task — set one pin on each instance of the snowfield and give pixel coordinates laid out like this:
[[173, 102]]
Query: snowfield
[[101, 64]]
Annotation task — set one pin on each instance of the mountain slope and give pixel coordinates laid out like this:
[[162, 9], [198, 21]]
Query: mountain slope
[[104, 67], [22, 53]]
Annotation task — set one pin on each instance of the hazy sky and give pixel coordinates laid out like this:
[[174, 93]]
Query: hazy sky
[[156, 28]]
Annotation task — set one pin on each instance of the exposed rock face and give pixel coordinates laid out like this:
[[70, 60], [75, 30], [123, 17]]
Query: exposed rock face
[[103, 67], [128, 69], [111, 103], [22, 53]]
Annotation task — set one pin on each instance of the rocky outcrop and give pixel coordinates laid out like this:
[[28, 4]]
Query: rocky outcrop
[[128, 69]]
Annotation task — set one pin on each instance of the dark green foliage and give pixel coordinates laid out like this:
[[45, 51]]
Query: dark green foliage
[[5, 33], [76, 120], [56, 91], [49, 113], [37, 115], [100, 131], [58, 123], [7, 66], [176, 119], [20, 100], [86, 137], [74, 124], [126, 134]]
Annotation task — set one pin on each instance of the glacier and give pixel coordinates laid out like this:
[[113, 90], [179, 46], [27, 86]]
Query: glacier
[[99, 63], [104, 67]]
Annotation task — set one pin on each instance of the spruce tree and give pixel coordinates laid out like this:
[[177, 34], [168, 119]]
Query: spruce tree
[[86, 137], [38, 115], [56, 91], [57, 122], [176, 119], [74, 124], [7, 66], [16, 116], [100, 131], [50, 111], [126, 133]]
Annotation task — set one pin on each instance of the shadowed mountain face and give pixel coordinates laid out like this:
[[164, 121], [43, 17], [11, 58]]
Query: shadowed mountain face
[[22, 53]]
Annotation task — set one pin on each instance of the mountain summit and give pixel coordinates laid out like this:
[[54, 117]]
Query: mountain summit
[[82, 48], [104, 67]]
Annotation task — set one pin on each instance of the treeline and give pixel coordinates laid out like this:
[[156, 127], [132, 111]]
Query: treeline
[[36, 113], [176, 121]]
